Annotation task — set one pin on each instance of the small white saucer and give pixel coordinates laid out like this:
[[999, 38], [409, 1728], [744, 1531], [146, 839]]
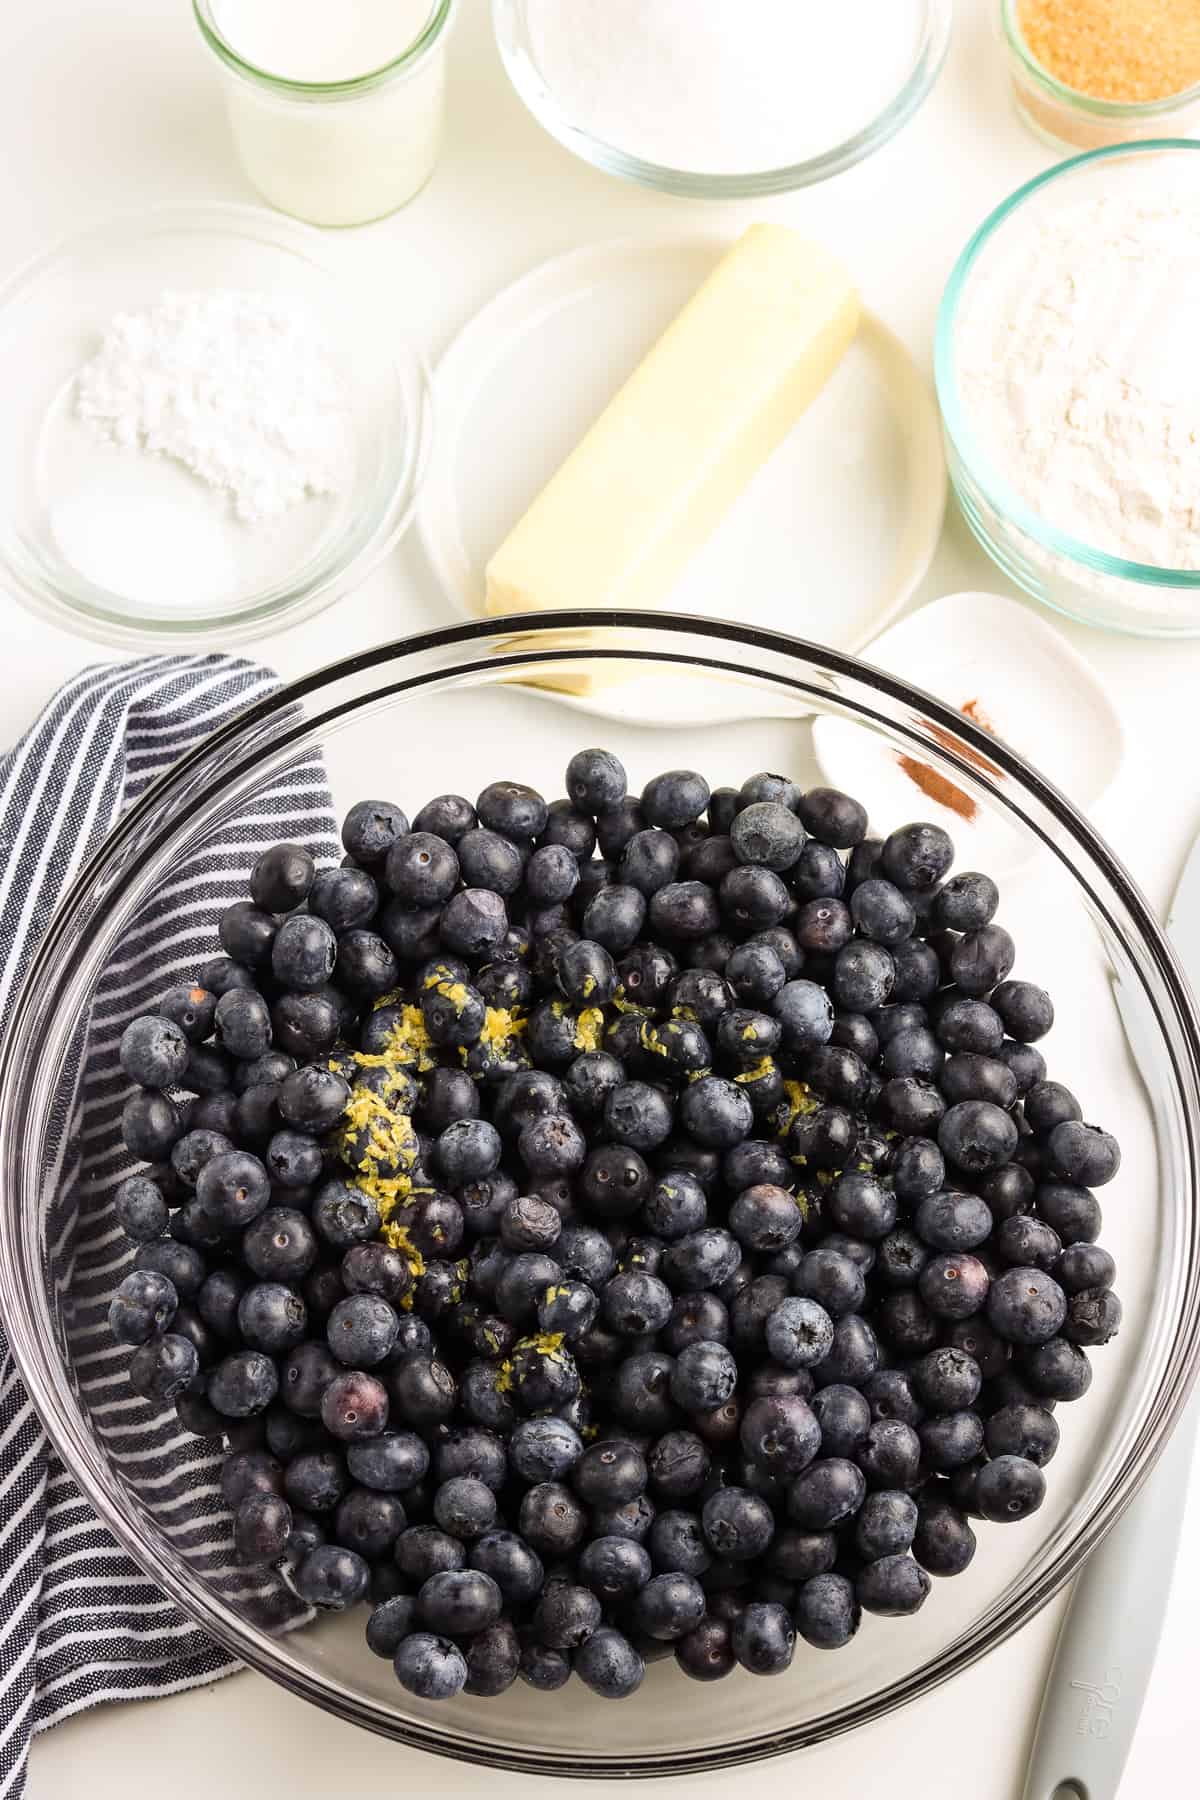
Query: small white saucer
[[828, 542], [1002, 665]]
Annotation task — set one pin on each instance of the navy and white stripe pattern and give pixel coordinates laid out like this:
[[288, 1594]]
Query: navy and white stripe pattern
[[79, 1623]]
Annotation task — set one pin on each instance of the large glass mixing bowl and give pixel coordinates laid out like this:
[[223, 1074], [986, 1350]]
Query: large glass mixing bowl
[[442, 712]]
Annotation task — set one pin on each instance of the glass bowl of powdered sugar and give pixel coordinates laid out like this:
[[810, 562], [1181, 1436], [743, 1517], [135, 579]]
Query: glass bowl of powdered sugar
[[1070, 387], [710, 100], [208, 434]]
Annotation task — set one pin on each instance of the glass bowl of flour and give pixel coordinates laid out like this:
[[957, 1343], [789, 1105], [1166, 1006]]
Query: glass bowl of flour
[[208, 433], [710, 100], [1069, 385]]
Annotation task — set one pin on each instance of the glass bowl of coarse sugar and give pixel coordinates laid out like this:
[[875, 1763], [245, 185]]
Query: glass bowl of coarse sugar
[[709, 100], [1070, 387], [208, 433]]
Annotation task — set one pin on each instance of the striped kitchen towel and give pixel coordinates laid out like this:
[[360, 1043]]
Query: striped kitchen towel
[[79, 1622]]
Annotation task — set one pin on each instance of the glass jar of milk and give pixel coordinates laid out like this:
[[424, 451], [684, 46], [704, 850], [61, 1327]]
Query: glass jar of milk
[[336, 105]]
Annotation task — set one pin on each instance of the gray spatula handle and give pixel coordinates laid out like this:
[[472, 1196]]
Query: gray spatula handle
[[1110, 1637]]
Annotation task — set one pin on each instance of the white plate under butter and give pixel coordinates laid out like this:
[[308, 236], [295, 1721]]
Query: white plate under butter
[[829, 540], [1009, 670]]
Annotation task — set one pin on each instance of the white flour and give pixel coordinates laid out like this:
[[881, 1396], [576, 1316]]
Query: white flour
[[1079, 370], [239, 387], [724, 86]]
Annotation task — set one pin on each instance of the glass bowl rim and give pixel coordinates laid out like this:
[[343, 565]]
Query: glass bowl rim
[[1116, 111], [441, 13], [518, 642], [995, 491], [694, 184], [98, 612]]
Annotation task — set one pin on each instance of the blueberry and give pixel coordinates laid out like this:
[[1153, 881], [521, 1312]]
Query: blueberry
[[684, 909], [192, 1008], [944, 1543], [952, 1221], [143, 1306], [946, 1380], [154, 1052], [430, 1667], [969, 1076], [1093, 1316], [669, 1606], [833, 818], [150, 1125], [140, 1209], [780, 1434], [738, 1524], [262, 1525], [966, 902], [1072, 1212], [1026, 1242], [827, 1492], [163, 1367], [892, 1586], [243, 1384], [1083, 1154], [1049, 1103], [864, 974], [854, 1354], [344, 898], [799, 1333], [1022, 1430], [764, 1638], [703, 1259], [315, 1481], [951, 1440], [247, 933], [544, 1669], [389, 1624], [271, 1317], [981, 959], [313, 1099], [977, 1136], [827, 1611], [1009, 1488], [354, 1405], [1080, 1266], [882, 913], [423, 1551], [706, 1652], [715, 1112], [393, 1462], [844, 1418], [886, 1525], [678, 1464], [551, 1520], [704, 1376], [954, 1286], [182, 1266], [890, 1455], [446, 817], [862, 1207], [609, 1664], [280, 1245], [1026, 1306]]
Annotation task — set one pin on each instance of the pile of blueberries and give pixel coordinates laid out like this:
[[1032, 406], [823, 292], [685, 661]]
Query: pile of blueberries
[[613, 1229]]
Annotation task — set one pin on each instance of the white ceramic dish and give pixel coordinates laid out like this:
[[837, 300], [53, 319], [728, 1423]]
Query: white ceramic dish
[[828, 542], [1011, 673]]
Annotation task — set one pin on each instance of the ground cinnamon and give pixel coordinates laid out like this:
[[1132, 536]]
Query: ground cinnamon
[[936, 787]]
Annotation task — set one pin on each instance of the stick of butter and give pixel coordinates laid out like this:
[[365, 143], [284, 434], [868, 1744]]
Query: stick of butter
[[674, 448]]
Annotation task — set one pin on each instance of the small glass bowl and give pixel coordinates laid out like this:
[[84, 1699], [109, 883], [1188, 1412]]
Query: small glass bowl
[[440, 712], [1066, 119], [510, 18], [1061, 571], [129, 547]]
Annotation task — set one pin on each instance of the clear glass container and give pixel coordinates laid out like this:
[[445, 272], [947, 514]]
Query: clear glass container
[[1062, 571], [1068, 120], [440, 712], [200, 575], [511, 21], [338, 152]]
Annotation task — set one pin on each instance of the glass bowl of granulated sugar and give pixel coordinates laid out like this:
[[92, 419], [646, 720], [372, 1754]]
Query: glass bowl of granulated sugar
[[710, 100], [208, 434]]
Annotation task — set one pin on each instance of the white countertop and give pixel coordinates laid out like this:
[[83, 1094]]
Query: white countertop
[[109, 107]]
